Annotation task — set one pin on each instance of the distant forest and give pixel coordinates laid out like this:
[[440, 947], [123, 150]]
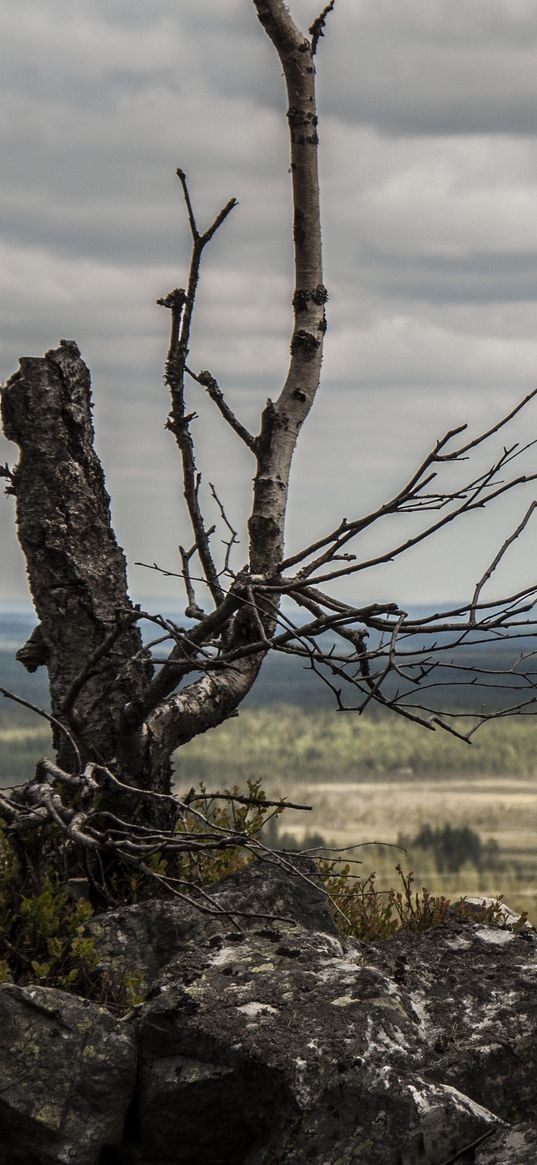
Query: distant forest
[[285, 680]]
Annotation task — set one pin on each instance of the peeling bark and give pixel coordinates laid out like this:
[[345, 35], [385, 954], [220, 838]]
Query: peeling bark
[[200, 706]]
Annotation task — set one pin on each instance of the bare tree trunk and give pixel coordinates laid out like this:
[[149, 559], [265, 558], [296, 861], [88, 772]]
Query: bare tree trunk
[[283, 418], [87, 637]]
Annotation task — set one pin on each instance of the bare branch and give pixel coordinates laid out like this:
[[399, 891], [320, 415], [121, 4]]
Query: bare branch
[[233, 539], [179, 424], [202, 705], [204, 238], [476, 501], [316, 30], [181, 304], [108, 796], [242, 799], [220, 217], [193, 610], [215, 393], [183, 657], [411, 496], [498, 557]]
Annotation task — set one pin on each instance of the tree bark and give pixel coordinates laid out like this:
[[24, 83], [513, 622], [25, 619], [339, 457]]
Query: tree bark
[[282, 419], [76, 569]]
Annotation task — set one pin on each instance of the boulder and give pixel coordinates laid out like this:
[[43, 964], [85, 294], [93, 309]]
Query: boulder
[[511, 1146], [140, 940], [266, 1040], [67, 1074], [282, 1045]]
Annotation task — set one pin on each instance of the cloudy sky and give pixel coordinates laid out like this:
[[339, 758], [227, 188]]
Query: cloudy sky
[[429, 169]]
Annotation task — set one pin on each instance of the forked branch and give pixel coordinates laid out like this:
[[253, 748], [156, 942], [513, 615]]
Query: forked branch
[[181, 304]]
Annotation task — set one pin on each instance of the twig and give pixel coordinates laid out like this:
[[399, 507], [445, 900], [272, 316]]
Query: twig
[[259, 802], [316, 30], [215, 393], [233, 539], [497, 559], [413, 489], [473, 503], [204, 238], [46, 716]]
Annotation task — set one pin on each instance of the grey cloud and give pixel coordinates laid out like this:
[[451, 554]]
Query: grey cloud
[[475, 277], [85, 182], [430, 233], [406, 68], [432, 91]]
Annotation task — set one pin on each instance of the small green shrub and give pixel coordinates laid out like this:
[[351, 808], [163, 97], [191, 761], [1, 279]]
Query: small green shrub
[[44, 937], [369, 914], [224, 817], [42, 934], [43, 928]]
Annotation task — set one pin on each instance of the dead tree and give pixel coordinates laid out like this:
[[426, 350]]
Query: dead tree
[[118, 710]]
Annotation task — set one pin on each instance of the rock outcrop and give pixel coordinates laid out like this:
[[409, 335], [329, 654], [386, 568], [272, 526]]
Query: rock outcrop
[[67, 1075], [263, 1040]]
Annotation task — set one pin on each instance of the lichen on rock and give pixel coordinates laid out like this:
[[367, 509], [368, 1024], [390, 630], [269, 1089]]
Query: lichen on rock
[[264, 1038]]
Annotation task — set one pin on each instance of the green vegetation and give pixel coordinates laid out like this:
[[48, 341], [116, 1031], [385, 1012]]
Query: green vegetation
[[206, 865], [295, 745], [41, 932], [44, 935], [292, 744], [369, 914], [365, 912]]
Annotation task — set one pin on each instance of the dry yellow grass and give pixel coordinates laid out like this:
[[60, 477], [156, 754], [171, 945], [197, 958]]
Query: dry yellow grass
[[353, 813]]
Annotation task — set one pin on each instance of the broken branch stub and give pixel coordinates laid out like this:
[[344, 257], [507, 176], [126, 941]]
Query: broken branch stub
[[76, 569]]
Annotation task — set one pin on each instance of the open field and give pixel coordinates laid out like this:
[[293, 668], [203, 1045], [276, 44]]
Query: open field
[[372, 780], [367, 780], [348, 813], [23, 739]]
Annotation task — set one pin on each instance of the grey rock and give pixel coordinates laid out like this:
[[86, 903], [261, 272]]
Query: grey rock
[[293, 1050], [67, 1073], [266, 1040], [282, 1045], [514, 1146], [141, 939]]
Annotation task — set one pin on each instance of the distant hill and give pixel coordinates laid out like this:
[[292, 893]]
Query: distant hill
[[282, 679]]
